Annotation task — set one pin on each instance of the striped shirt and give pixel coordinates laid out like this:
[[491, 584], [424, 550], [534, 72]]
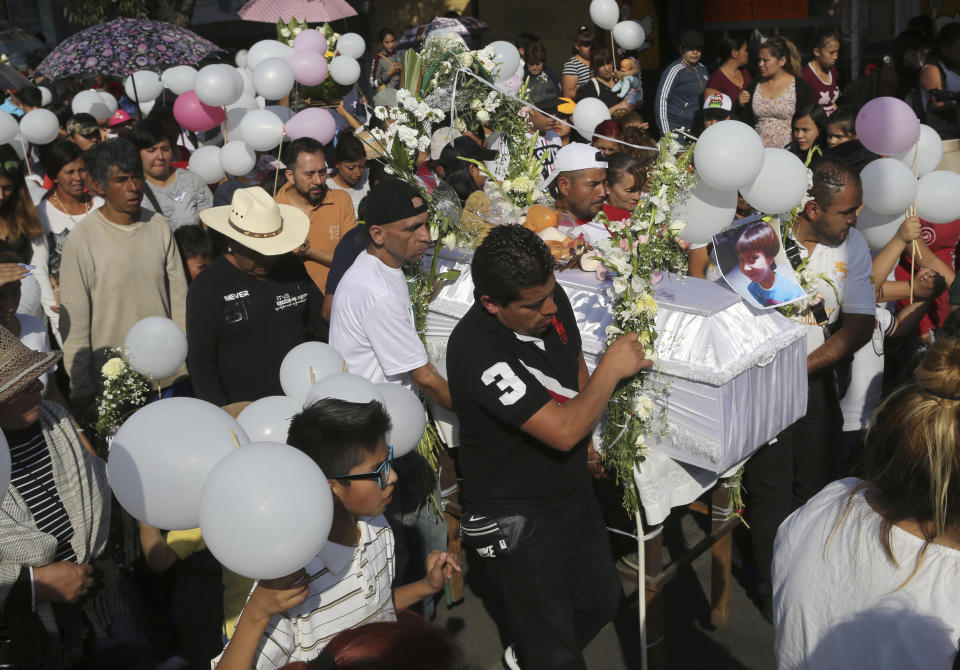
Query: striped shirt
[[349, 587], [581, 71]]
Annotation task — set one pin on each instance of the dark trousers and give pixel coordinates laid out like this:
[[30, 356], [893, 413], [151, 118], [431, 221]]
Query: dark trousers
[[560, 587], [781, 476]]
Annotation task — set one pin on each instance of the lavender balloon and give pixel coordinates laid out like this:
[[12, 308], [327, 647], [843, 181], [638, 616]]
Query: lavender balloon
[[310, 40], [887, 126], [309, 67], [312, 122]]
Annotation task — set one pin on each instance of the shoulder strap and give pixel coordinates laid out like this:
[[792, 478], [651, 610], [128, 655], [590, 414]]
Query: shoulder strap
[[152, 197], [793, 255]]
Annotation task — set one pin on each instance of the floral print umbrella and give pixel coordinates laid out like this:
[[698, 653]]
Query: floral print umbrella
[[124, 46]]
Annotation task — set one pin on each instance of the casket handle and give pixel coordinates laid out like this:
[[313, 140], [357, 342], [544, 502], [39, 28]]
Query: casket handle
[[767, 360]]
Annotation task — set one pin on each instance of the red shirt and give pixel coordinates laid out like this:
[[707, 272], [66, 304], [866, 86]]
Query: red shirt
[[942, 239], [825, 95], [719, 81]]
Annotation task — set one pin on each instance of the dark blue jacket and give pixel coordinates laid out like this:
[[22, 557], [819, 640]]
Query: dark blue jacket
[[680, 95]]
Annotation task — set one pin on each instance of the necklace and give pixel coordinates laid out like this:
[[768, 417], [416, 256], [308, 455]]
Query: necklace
[[61, 207]]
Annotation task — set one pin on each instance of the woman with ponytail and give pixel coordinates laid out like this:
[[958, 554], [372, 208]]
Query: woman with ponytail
[[866, 573], [778, 93]]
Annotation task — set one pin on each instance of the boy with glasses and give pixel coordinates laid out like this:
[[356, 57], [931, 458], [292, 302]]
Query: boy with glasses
[[348, 583]]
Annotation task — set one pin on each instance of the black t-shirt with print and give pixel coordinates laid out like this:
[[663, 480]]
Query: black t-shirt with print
[[239, 328], [498, 380]]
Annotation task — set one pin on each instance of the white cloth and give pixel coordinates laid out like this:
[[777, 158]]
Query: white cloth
[[33, 334], [372, 323], [849, 266], [845, 605], [357, 193], [349, 587], [866, 376]]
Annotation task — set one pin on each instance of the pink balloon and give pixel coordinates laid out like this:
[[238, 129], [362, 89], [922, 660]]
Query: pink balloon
[[887, 126], [309, 67], [310, 40], [194, 115], [312, 122]]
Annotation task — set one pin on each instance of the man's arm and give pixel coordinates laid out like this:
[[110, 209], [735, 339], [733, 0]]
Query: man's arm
[[564, 426], [433, 384], [853, 334], [177, 281], [324, 258], [75, 326]]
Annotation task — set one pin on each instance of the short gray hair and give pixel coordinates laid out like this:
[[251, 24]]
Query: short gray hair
[[117, 154]]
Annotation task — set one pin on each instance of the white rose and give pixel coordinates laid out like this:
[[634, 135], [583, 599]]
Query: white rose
[[285, 32], [677, 226], [483, 116], [507, 185], [450, 240], [434, 232], [466, 59], [643, 407], [620, 284]]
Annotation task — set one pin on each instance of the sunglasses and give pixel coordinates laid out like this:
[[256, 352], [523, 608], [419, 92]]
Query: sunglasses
[[381, 474]]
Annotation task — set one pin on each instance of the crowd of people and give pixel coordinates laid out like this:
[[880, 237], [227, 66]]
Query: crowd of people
[[853, 535]]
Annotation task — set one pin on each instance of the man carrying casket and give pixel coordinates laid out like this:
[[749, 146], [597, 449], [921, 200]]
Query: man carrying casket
[[806, 455], [527, 406]]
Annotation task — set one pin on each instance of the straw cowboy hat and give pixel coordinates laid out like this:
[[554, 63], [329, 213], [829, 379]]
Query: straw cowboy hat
[[257, 222], [20, 365]]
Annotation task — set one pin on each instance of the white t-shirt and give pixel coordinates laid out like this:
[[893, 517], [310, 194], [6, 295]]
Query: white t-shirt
[[33, 334], [866, 376], [846, 605], [372, 323], [357, 193], [849, 266]]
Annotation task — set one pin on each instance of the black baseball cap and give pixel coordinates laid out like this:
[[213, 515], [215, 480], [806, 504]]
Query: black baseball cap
[[691, 39], [464, 147], [392, 200], [543, 94]]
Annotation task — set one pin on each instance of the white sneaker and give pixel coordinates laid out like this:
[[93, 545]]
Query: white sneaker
[[510, 658]]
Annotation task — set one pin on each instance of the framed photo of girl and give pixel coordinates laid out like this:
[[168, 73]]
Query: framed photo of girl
[[753, 263]]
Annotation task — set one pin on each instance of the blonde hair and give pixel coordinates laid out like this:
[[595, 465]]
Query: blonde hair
[[911, 460], [781, 47]]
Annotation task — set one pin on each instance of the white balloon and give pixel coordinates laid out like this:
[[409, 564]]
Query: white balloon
[[351, 45], [40, 126], [143, 86], [407, 415], [90, 102], [343, 386], [234, 117], [4, 466], [145, 107], [268, 419], [245, 102], [249, 90], [605, 13], [9, 128], [273, 78], [266, 510], [46, 97], [781, 184], [205, 161], [728, 155], [109, 101], [629, 35], [344, 70], [261, 129], [218, 85], [179, 79], [937, 196], [265, 49], [237, 158], [878, 229], [588, 114], [706, 211], [155, 347], [888, 186], [931, 152], [305, 364], [240, 60], [507, 57], [162, 454]]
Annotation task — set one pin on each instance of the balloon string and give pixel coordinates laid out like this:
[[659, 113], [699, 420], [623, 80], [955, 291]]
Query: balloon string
[[913, 269], [225, 138], [313, 376], [276, 175], [236, 442], [26, 156]]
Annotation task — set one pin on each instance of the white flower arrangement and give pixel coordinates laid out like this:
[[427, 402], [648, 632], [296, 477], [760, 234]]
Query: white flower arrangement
[[124, 391]]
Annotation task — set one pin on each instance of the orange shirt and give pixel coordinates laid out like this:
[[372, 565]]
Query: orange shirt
[[328, 222]]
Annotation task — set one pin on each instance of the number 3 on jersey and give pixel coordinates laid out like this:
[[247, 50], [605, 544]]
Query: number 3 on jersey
[[507, 381]]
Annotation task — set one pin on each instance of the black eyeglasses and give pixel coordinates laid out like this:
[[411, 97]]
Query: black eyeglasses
[[381, 474]]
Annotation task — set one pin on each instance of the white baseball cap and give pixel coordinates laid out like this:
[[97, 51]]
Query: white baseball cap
[[576, 156], [718, 101], [441, 137]]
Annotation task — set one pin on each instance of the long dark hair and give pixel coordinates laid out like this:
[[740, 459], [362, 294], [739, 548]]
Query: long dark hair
[[18, 212]]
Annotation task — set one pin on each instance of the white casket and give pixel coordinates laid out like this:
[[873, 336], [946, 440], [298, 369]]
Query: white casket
[[735, 376]]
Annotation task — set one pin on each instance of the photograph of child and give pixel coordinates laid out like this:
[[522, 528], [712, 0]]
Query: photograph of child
[[753, 264]]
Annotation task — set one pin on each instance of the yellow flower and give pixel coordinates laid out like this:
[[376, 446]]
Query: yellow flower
[[646, 303], [644, 337], [112, 368]]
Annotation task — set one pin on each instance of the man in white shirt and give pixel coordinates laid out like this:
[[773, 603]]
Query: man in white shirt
[[807, 455]]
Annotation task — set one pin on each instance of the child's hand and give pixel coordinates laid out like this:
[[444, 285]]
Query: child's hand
[[273, 596], [440, 568], [909, 230]]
